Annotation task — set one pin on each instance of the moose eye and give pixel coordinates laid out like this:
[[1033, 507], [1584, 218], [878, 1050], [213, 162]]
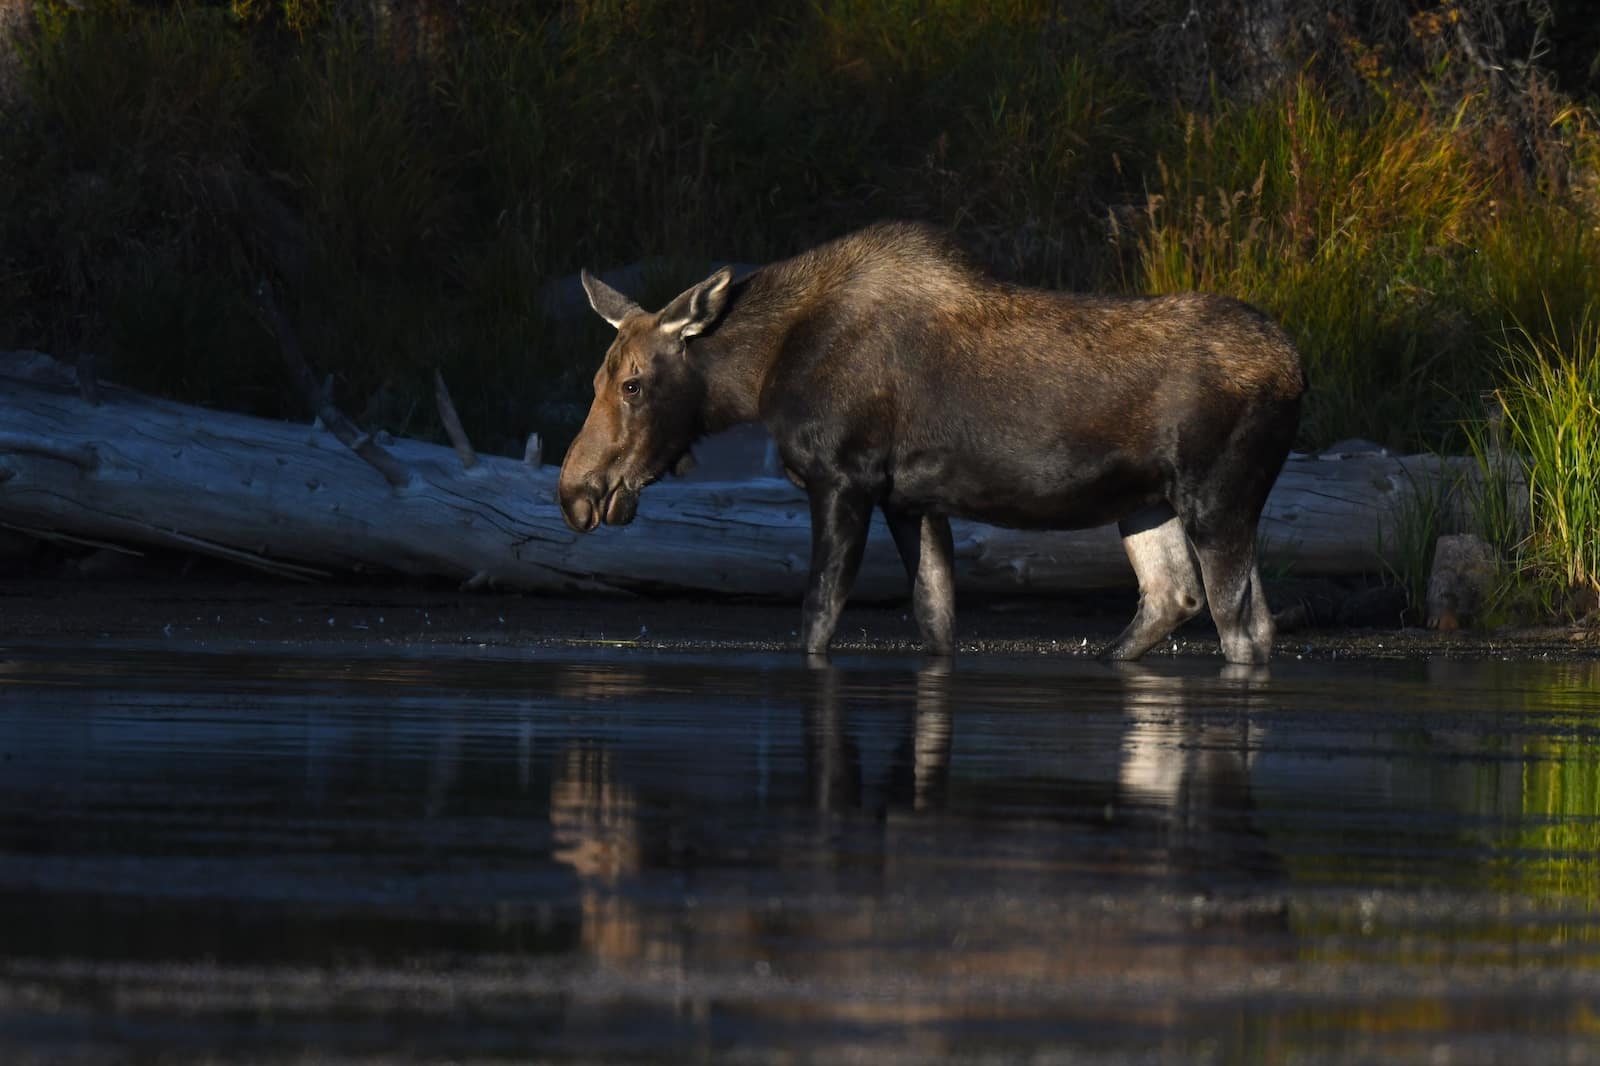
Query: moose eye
[[630, 387]]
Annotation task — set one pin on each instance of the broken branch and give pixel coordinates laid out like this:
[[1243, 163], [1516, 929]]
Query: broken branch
[[396, 473], [452, 423]]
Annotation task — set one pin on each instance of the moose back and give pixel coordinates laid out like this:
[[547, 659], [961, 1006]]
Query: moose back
[[893, 374]]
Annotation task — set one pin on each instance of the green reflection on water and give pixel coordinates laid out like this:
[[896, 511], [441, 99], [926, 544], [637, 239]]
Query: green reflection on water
[[1555, 850], [1513, 885]]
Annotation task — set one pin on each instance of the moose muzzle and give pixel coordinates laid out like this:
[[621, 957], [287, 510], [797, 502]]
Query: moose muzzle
[[585, 505]]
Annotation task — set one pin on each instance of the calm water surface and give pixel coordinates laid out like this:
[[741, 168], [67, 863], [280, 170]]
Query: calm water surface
[[660, 857]]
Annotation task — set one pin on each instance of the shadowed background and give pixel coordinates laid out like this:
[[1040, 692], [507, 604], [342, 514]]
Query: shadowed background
[[1405, 186]]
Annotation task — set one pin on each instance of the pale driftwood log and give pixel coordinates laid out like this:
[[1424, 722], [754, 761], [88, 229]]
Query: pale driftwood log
[[294, 500]]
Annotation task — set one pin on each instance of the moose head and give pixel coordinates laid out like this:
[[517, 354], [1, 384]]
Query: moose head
[[648, 401]]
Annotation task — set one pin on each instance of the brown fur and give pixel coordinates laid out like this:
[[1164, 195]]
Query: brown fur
[[891, 371]]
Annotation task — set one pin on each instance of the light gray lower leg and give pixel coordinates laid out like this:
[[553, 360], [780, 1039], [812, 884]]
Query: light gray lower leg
[[928, 552], [1170, 590], [1262, 629], [933, 591]]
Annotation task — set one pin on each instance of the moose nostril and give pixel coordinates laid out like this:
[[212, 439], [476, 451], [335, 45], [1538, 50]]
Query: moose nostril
[[580, 512]]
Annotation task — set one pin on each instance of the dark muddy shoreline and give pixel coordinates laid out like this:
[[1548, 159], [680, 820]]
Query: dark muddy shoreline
[[233, 611]]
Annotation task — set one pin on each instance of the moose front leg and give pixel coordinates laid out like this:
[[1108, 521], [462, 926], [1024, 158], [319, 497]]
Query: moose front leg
[[928, 551], [839, 517]]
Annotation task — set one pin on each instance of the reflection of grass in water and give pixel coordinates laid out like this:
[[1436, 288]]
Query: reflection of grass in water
[[1409, 1027], [1556, 848], [1535, 819]]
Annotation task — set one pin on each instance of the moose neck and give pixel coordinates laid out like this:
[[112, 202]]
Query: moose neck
[[736, 356]]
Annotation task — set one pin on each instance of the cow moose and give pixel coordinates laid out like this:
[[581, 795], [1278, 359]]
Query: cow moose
[[892, 373]]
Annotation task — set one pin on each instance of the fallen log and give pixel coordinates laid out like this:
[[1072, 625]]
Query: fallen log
[[108, 464]]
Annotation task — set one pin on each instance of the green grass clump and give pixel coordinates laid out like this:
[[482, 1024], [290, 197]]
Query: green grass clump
[[1551, 409]]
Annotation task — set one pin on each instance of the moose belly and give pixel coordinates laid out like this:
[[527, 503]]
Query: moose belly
[[1044, 491]]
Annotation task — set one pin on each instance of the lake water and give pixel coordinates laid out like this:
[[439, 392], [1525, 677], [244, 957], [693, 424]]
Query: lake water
[[640, 856]]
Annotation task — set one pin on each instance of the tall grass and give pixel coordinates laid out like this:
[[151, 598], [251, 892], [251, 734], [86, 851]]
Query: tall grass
[[1495, 509], [118, 196], [1551, 409], [1409, 535], [1365, 226]]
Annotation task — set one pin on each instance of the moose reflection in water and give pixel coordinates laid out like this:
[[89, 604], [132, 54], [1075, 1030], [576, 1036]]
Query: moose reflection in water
[[883, 827], [660, 854], [894, 375]]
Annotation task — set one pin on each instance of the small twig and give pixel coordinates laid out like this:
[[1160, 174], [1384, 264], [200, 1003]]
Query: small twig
[[452, 423], [88, 381], [293, 571], [533, 452], [396, 473], [278, 568], [68, 538]]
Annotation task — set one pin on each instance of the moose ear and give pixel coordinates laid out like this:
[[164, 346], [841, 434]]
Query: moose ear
[[696, 309], [608, 303]]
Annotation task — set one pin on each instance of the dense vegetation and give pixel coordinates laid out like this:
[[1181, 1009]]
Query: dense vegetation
[[1412, 189]]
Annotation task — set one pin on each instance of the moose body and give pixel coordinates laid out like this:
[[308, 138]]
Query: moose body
[[893, 374]]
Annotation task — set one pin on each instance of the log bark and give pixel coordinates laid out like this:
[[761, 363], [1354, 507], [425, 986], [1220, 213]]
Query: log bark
[[137, 470]]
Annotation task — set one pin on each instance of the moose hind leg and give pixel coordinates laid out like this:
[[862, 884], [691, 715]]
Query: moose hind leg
[[1233, 589], [928, 552], [1170, 590]]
